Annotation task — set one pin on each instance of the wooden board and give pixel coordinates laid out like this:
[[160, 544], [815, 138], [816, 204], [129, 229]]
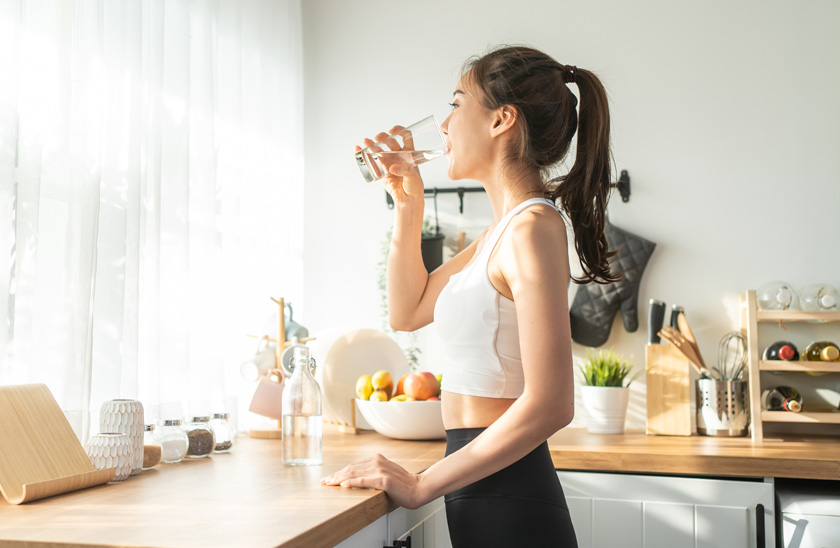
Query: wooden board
[[669, 391], [40, 455]]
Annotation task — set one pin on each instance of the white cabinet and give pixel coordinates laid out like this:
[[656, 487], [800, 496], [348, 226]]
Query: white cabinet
[[372, 536], [426, 526], [637, 511]]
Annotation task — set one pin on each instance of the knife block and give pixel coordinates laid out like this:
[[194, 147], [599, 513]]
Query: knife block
[[671, 398]]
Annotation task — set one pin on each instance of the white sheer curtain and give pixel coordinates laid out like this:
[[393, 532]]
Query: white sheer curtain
[[150, 196]]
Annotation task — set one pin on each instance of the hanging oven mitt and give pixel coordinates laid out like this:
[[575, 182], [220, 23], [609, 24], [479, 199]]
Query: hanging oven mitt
[[595, 305]]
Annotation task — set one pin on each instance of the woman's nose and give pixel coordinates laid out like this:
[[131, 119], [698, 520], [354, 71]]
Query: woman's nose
[[444, 127]]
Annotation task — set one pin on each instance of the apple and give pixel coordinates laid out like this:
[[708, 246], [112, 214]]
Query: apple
[[421, 386], [433, 398]]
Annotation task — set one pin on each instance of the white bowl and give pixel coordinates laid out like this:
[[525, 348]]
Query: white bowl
[[404, 420]]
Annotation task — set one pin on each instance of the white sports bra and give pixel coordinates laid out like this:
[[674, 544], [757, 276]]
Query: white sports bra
[[479, 328]]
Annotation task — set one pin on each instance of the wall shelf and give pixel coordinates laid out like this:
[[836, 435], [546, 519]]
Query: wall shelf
[[751, 319], [796, 316], [803, 367], [824, 416]]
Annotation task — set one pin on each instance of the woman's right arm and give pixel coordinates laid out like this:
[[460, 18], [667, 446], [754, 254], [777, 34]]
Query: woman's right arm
[[412, 292]]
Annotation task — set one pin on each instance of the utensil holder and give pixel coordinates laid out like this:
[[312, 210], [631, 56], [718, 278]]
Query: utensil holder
[[670, 399], [723, 408]]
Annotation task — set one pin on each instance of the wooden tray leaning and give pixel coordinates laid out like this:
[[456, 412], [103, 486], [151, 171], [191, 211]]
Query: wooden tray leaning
[[40, 455]]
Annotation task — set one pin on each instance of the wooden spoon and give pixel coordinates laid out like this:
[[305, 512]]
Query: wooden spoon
[[682, 344], [685, 329]]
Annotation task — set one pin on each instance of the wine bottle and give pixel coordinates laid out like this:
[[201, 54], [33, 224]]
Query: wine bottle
[[822, 351], [781, 350], [781, 398]]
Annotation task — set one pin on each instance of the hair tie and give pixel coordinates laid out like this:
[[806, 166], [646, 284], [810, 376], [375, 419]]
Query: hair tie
[[569, 74]]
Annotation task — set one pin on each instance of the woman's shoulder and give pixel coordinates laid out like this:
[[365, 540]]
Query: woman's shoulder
[[537, 222]]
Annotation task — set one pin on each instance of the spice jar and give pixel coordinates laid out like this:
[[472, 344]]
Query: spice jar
[[223, 431], [151, 448], [172, 440], [200, 437]]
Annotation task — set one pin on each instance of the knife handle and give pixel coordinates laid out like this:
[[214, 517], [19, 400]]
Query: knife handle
[[656, 315], [675, 315]]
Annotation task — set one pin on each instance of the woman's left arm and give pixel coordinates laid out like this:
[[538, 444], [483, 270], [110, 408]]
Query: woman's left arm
[[534, 264]]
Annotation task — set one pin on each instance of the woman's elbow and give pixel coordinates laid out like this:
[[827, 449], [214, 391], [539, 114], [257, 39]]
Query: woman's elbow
[[562, 417], [400, 323]]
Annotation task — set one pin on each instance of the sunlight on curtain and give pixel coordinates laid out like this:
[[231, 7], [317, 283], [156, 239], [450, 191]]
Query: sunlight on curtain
[[151, 173]]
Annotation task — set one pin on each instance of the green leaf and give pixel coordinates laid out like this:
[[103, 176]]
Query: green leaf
[[606, 368]]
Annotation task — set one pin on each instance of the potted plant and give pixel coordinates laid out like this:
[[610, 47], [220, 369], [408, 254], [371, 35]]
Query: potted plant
[[604, 390]]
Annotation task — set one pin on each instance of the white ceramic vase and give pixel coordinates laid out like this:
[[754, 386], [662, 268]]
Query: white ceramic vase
[[607, 408], [125, 417], [111, 450]]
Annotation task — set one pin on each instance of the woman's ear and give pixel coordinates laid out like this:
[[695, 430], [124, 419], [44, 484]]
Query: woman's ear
[[504, 119]]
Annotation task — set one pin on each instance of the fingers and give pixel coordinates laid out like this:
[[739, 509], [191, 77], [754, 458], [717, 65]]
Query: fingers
[[388, 140], [407, 137]]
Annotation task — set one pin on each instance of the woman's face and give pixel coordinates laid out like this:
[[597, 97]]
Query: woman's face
[[467, 130]]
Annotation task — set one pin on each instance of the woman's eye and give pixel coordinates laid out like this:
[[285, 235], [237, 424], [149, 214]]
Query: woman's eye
[[453, 105]]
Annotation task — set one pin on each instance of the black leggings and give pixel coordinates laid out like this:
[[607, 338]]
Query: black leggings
[[521, 505]]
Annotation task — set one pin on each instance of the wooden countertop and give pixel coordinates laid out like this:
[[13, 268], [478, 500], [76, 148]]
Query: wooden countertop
[[247, 498], [792, 457]]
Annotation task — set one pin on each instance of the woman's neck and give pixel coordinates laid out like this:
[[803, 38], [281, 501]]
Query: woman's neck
[[505, 192]]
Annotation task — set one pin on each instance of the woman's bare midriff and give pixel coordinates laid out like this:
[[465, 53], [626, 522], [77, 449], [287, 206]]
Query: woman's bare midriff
[[460, 411]]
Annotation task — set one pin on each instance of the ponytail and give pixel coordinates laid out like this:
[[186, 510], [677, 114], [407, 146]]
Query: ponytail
[[583, 192]]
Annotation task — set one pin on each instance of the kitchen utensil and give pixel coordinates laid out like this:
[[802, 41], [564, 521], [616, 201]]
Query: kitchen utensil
[[656, 316], [685, 347], [670, 394], [732, 356], [723, 408], [40, 455], [675, 313], [685, 329]]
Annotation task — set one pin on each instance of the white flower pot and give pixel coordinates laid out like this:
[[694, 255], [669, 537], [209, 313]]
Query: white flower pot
[[125, 417], [607, 408], [111, 450]]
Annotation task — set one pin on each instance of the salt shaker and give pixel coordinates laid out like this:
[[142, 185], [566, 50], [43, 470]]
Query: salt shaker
[[172, 439]]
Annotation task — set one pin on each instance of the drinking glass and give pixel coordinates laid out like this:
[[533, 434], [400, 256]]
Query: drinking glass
[[415, 145]]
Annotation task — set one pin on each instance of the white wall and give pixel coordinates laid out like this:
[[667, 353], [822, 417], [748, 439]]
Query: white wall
[[726, 115]]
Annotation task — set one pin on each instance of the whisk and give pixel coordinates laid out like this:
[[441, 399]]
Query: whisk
[[732, 356]]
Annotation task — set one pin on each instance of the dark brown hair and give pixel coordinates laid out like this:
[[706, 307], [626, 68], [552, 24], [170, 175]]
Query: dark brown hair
[[535, 85]]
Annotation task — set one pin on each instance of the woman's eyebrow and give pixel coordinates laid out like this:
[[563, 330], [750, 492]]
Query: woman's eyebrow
[[456, 92]]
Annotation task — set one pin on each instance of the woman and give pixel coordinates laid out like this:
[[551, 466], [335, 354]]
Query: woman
[[502, 303]]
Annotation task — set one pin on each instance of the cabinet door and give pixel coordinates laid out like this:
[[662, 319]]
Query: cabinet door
[[426, 526], [638, 511], [374, 535]]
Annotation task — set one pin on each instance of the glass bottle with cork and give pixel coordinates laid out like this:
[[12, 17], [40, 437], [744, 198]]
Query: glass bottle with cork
[[301, 410]]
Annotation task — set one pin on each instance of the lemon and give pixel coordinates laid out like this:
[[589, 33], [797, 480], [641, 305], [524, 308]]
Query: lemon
[[364, 387]]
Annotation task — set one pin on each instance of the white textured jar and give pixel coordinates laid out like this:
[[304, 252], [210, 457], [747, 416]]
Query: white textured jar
[[111, 449], [125, 417]]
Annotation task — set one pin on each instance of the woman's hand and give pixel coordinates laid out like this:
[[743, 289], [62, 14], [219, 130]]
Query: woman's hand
[[403, 180], [380, 473]]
